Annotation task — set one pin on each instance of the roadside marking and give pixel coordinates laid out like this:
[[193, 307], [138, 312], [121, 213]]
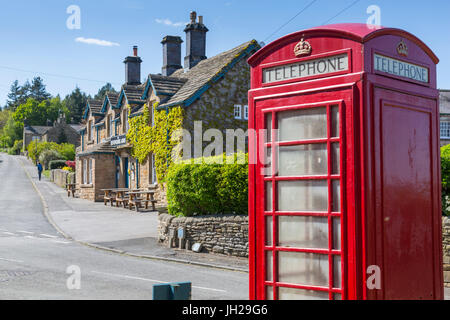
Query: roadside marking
[[27, 232], [11, 260], [150, 280], [58, 241], [48, 236]]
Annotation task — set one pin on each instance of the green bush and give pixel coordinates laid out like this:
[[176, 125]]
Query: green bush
[[445, 175], [208, 188], [48, 155], [16, 148], [56, 164], [66, 150]]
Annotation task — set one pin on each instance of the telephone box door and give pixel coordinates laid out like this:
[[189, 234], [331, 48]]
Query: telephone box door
[[300, 218]]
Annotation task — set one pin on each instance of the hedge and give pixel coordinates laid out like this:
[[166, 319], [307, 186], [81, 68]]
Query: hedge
[[56, 164], [208, 188], [445, 173]]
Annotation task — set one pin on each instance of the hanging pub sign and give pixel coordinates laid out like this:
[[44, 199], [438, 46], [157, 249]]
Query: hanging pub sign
[[118, 140]]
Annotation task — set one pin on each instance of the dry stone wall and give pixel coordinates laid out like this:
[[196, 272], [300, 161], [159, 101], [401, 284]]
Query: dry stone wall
[[221, 234]]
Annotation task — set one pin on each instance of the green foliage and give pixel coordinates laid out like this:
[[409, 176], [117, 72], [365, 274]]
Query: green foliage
[[49, 155], [208, 187], [16, 148], [75, 103], [158, 139], [445, 174], [103, 91], [56, 164], [65, 150], [38, 112], [12, 131]]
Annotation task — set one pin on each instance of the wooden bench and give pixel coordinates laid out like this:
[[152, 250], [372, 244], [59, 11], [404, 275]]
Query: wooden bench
[[109, 196], [137, 201]]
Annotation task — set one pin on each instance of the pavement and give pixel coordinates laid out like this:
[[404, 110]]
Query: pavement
[[116, 229], [38, 262]]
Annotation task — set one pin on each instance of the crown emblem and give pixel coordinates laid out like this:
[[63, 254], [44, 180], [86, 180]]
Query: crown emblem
[[402, 49], [302, 48]]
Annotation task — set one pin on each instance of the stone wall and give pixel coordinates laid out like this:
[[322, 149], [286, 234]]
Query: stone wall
[[446, 249], [61, 177], [222, 234]]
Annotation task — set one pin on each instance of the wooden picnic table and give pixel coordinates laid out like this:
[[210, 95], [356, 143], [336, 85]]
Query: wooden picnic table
[[108, 196], [71, 187], [136, 200]]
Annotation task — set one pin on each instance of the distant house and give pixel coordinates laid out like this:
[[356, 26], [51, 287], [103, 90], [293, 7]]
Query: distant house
[[59, 132], [212, 90], [444, 110]]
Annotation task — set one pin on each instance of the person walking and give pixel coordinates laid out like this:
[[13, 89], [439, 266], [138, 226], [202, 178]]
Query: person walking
[[39, 167]]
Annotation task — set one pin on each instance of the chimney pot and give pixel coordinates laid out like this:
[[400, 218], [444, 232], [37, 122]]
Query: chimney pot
[[135, 51], [200, 19], [133, 68], [193, 16], [195, 41]]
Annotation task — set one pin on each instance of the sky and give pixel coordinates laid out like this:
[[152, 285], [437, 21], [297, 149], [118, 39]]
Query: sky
[[36, 39]]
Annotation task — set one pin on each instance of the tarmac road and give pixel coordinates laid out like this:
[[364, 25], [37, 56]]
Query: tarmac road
[[38, 263]]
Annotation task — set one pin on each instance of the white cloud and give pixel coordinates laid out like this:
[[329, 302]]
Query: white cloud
[[97, 42], [168, 22]]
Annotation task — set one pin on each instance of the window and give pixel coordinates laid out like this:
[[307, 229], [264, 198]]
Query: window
[[90, 171], [245, 112], [237, 111], [125, 121], [445, 129], [110, 130], [154, 179], [84, 170]]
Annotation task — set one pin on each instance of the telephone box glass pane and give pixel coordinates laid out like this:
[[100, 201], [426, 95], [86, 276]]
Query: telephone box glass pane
[[337, 233], [267, 169], [298, 196], [303, 268], [336, 196], [335, 121], [269, 293], [302, 124], [337, 271], [302, 160], [269, 196], [269, 266], [303, 232], [299, 294], [268, 127], [269, 231], [335, 158]]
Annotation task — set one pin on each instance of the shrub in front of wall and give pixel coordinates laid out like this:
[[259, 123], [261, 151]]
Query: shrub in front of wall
[[208, 188], [56, 164], [48, 155], [445, 176]]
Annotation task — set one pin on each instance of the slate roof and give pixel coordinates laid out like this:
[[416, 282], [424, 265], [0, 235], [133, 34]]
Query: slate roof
[[104, 147], [134, 92], [95, 105], [205, 72], [39, 130], [113, 97], [165, 85], [444, 101]]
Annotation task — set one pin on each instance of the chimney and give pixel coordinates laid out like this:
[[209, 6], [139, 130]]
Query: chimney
[[171, 54], [133, 68], [195, 41]]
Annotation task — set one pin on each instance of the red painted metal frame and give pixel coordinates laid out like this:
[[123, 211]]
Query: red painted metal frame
[[355, 93]]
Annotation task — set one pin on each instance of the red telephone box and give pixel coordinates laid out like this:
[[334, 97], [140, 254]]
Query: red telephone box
[[345, 187]]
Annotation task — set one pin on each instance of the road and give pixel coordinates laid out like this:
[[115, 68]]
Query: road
[[38, 263]]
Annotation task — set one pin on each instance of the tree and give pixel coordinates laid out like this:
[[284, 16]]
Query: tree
[[103, 91], [13, 96], [37, 113], [12, 131], [75, 103], [38, 91]]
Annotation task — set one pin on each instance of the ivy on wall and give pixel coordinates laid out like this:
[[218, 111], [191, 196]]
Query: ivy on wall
[[158, 139]]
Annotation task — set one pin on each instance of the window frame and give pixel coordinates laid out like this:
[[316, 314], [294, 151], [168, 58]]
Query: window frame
[[441, 129], [237, 113]]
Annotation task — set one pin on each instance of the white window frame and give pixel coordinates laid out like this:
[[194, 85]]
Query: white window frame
[[245, 112], [445, 129], [90, 171], [84, 169], [237, 111]]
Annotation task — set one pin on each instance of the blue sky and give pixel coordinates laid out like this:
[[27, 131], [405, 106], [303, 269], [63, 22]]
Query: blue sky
[[36, 41]]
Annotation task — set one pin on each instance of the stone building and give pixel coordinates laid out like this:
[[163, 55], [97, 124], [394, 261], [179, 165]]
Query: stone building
[[444, 110], [60, 132], [212, 90]]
